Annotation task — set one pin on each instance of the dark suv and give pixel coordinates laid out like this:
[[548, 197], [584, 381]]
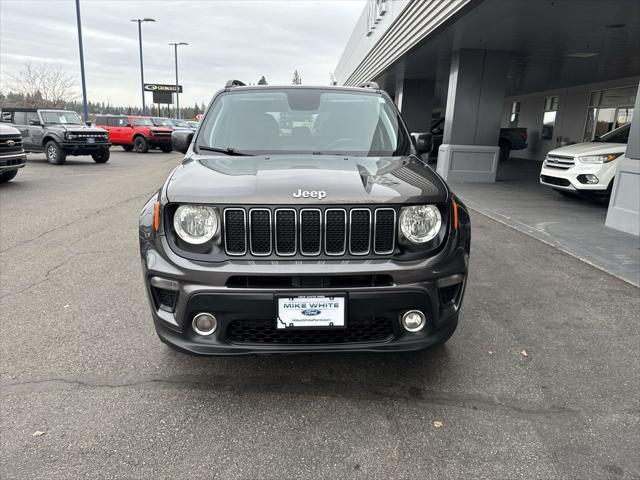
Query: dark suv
[[12, 156], [58, 133], [302, 219]]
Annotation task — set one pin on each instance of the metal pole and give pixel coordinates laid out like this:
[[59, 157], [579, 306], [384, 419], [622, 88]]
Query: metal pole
[[144, 109], [177, 92], [85, 106]]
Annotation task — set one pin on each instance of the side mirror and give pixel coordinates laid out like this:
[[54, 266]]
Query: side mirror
[[423, 142], [88, 123], [181, 139], [35, 123], [128, 125]]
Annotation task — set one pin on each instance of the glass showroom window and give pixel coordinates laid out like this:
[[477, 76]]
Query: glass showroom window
[[609, 109], [515, 114], [549, 117]]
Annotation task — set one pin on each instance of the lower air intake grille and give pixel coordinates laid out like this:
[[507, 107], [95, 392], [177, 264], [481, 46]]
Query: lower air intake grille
[[265, 332]]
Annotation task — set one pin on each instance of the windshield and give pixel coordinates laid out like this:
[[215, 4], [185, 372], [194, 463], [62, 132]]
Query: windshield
[[61, 118], [193, 124], [139, 122], [305, 121], [619, 135], [180, 123], [164, 122]]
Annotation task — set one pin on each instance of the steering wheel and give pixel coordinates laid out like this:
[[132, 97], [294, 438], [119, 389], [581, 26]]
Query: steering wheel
[[339, 142]]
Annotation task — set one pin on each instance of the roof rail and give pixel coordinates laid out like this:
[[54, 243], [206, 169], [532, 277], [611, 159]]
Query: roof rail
[[234, 83], [373, 85]]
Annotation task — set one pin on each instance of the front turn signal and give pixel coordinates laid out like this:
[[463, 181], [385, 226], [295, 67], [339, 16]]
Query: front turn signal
[[455, 214], [156, 216]]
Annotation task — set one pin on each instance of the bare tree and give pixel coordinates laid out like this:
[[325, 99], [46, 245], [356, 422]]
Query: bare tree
[[44, 85]]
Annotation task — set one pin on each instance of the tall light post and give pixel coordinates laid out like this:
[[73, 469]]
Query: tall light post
[[175, 49], [140, 20], [85, 106]]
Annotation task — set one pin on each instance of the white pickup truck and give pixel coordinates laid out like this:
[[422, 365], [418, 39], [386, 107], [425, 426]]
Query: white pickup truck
[[585, 168]]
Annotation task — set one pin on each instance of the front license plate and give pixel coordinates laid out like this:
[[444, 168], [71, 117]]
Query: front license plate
[[311, 312]]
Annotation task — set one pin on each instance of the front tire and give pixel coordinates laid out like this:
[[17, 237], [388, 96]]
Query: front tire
[[55, 154], [6, 176], [102, 157], [140, 145]]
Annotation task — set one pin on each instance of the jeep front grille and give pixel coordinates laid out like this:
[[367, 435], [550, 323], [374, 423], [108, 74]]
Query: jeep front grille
[[331, 231]]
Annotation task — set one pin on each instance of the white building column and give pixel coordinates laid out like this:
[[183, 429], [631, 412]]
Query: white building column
[[624, 206], [469, 150]]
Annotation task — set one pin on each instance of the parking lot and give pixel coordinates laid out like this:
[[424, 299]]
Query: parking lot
[[540, 380]]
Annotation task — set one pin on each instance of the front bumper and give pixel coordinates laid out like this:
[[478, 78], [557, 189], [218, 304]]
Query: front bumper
[[210, 287], [84, 148], [12, 161], [569, 179], [160, 141]]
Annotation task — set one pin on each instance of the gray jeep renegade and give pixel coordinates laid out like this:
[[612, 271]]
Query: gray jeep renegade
[[303, 220]]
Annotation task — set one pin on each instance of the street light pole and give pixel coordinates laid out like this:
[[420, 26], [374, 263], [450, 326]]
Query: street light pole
[[85, 106], [140, 20], [175, 49]]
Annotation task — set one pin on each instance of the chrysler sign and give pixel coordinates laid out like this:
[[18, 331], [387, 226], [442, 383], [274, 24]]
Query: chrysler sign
[[161, 87]]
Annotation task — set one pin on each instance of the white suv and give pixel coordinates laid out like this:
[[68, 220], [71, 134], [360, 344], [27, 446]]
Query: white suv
[[585, 168]]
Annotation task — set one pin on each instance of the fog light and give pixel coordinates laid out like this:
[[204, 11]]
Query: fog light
[[204, 324], [588, 178], [413, 320]]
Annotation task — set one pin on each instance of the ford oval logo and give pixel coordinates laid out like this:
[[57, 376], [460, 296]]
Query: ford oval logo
[[311, 312], [10, 143]]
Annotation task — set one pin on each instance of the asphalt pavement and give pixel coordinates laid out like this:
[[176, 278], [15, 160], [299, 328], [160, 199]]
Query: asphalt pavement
[[541, 380]]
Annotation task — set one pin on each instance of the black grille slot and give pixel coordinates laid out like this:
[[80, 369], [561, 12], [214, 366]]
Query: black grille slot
[[165, 299], [359, 239], [295, 281], [285, 232], [384, 226], [561, 182], [260, 221], [265, 332], [310, 232], [235, 231], [335, 231]]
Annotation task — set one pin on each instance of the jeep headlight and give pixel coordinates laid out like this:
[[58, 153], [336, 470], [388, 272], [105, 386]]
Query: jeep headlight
[[195, 224], [607, 157], [420, 223]]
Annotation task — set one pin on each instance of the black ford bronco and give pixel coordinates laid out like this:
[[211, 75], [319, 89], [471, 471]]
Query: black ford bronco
[[58, 133], [302, 219]]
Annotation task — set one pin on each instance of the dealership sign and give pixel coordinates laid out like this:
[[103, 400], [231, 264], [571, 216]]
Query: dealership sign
[[162, 87]]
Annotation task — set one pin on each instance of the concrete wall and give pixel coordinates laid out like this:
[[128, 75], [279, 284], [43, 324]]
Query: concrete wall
[[570, 117]]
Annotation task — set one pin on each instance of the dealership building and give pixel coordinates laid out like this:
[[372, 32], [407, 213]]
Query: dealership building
[[566, 70]]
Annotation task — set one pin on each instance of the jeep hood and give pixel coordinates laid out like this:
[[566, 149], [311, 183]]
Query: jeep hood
[[274, 179]]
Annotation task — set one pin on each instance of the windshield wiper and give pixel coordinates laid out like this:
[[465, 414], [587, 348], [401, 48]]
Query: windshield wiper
[[225, 150]]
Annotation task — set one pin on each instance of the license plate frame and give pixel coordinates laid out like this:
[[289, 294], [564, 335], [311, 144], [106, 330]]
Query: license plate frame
[[328, 318]]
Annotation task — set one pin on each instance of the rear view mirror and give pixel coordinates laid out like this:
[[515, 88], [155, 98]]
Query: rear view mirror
[[423, 142], [181, 139]]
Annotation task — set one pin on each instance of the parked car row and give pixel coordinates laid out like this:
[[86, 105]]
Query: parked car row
[[60, 133]]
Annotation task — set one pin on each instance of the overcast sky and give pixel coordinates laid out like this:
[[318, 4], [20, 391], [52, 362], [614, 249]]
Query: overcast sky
[[241, 39]]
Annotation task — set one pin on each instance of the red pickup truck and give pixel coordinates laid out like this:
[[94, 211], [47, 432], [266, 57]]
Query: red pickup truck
[[135, 133]]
